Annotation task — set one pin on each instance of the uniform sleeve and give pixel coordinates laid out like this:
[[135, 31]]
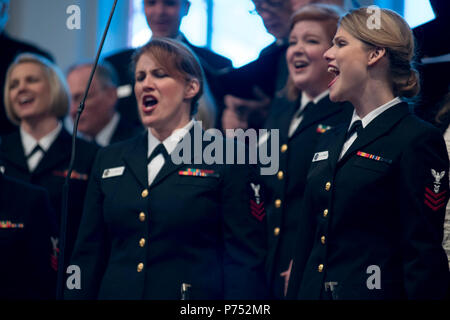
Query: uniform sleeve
[[91, 248], [244, 234], [424, 189], [446, 241]]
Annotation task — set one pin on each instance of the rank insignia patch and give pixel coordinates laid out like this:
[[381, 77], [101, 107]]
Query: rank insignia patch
[[321, 128], [437, 179], [256, 205], [434, 199], [55, 253], [10, 225], [198, 173], [373, 157]]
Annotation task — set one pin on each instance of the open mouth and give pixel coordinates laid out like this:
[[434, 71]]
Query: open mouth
[[334, 70], [149, 103], [26, 100], [300, 65]]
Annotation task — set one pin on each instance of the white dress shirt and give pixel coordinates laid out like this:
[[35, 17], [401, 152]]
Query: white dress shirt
[[103, 138], [366, 120], [29, 143], [169, 143]]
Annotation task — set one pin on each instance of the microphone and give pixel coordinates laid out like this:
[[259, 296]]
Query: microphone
[[60, 279]]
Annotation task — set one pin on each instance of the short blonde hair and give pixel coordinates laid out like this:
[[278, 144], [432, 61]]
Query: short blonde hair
[[59, 90], [328, 16], [393, 34]]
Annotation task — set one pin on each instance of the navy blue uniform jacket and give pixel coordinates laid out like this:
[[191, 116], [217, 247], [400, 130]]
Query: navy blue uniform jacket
[[50, 174], [377, 212], [141, 242], [26, 228], [284, 190]]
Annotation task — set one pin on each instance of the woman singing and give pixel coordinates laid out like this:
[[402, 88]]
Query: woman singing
[[372, 219], [153, 229]]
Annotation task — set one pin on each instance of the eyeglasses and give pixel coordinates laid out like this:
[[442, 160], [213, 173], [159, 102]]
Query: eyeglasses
[[261, 5]]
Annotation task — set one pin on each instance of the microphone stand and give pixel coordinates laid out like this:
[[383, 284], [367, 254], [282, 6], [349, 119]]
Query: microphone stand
[[64, 212]]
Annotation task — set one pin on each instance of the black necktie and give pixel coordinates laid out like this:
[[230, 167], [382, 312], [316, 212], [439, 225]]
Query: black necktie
[[355, 127], [302, 112], [160, 149], [35, 149]]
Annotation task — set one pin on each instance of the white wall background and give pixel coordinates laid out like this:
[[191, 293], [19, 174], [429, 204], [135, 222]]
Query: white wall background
[[43, 23]]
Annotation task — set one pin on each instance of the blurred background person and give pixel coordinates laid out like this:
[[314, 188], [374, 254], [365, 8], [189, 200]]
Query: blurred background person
[[153, 229], [372, 221], [36, 98], [10, 48], [164, 19], [443, 122], [250, 89], [99, 121], [26, 231], [434, 57], [302, 115], [297, 4]]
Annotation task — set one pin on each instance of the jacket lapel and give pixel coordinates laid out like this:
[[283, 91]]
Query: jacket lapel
[[378, 127], [285, 118], [136, 158], [169, 167], [336, 145], [59, 151], [324, 109], [13, 152]]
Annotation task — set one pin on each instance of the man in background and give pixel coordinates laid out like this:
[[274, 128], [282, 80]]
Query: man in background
[[251, 88], [99, 122], [164, 19]]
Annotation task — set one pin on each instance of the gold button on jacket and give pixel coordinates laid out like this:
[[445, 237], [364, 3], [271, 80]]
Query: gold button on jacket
[[144, 193], [277, 203], [276, 231], [280, 175]]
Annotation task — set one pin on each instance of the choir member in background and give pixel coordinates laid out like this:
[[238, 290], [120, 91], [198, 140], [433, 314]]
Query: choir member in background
[[371, 225]]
